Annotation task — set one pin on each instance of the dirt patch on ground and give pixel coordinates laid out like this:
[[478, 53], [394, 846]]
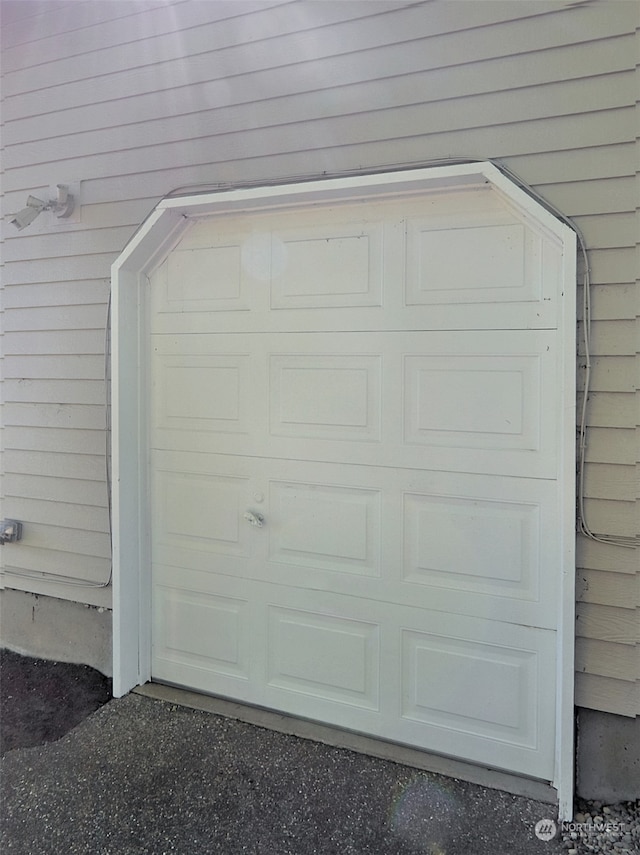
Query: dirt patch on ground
[[40, 701]]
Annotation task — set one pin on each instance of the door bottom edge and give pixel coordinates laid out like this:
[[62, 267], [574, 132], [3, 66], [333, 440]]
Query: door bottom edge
[[337, 737]]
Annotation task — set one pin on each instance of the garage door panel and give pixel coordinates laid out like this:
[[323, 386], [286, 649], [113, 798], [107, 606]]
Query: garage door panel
[[206, 279], [335, 396], [471, 264], [212, 276], [244, 265], [497, 658], [357, 466], [186, 282], [201, 630], [201, 512], [325, 656], [500, 702], [331, 663], [431, 696], [473, 401], [468, 401], [468, 264], [474, 544], [208, 393], [324, 526], [327, 265]]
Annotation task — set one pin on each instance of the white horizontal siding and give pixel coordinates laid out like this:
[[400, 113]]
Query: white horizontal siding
[[605, 161], [605, 557], [613, 517], [390, 94], [612, 266], [610, 230], [64, 515], [607, 588], [50, 295], [613, 660], [611, 481], [72, 490], [607, 694], [611, 410], [611, 445], [88, 467], [581, 164], [93, 594], [62, 244], [69, 34], [613, 374], [58, 269], [438, 126], [71, 540], [612, 337], [607, 623], [53, 342], [611, 302], [56, 391], [134, 100], [26, 561], [609, 196], [39, 21], [73, 416], [74, 367], [64, 440], [203, 29], [296, 35]]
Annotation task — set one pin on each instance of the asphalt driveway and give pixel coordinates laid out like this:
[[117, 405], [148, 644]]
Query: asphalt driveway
[[141, 775]]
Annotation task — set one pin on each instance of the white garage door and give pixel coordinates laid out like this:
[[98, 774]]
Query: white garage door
[[355, 450]]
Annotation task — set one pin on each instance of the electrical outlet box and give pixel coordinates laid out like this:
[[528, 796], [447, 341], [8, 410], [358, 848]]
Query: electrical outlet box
[[10, 531]]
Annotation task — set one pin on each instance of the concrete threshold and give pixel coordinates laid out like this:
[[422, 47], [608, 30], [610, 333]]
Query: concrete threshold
[[338, 738]]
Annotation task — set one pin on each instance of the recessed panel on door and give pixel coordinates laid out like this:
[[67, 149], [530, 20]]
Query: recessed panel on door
[[322, 526], [203, 392], [473, 401], [325, 397], [202, 631], [332, 657], [201, 512], [472, 544], [327, 266], [473, 264]]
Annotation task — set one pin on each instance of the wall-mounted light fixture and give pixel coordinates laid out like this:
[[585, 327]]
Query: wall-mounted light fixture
[[62, 206]]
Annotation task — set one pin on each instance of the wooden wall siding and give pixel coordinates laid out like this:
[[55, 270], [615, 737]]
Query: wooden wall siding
[[136, 99]]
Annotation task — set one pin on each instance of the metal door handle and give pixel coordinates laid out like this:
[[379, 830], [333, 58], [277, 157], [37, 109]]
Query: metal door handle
[[254, 518]]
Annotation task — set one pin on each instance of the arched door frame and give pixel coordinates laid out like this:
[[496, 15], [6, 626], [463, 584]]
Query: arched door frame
[[149, 247]]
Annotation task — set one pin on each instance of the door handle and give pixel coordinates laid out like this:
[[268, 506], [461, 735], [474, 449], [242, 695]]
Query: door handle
[[254, 518]]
